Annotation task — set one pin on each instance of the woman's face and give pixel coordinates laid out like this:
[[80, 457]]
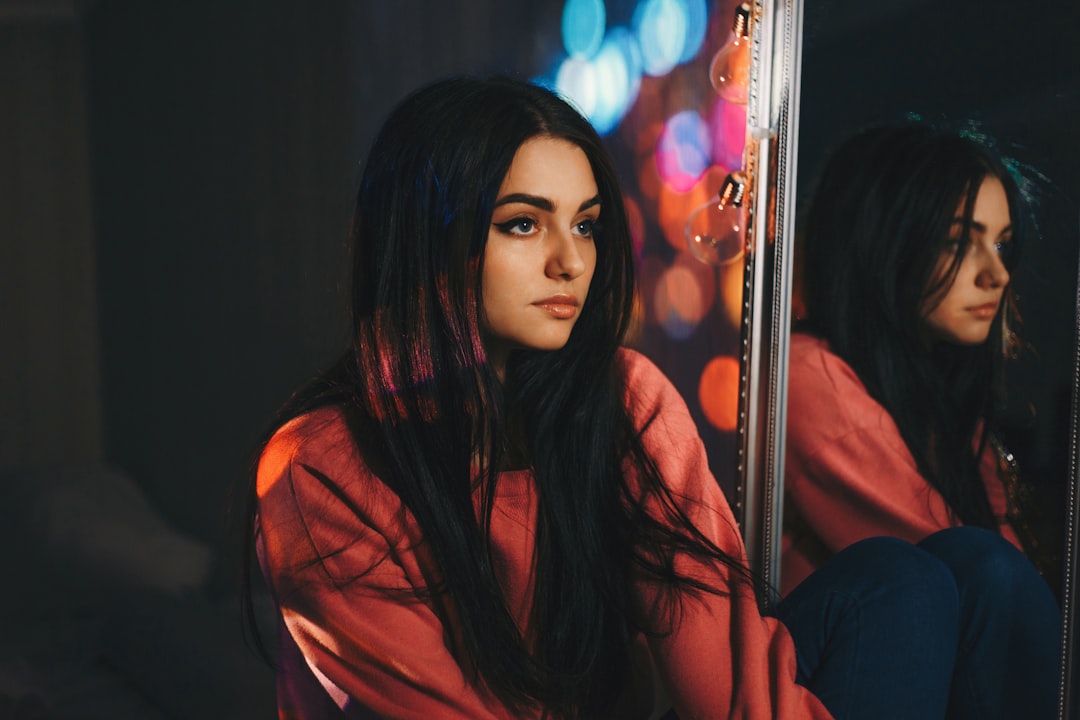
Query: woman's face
[[540, 253], [967, 310]]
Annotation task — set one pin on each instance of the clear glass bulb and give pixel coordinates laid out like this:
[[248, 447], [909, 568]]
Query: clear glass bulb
[[716, 231], [729, 71]]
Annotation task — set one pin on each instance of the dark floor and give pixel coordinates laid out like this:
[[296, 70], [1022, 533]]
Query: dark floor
[[109, 614]]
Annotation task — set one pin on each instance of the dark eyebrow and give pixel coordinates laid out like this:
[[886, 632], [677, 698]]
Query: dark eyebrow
[[979, 227], [534, 200], [591, 202], [540, 202]]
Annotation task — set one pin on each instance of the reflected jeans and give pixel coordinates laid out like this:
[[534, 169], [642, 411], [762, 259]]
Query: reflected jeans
[[959, 626]]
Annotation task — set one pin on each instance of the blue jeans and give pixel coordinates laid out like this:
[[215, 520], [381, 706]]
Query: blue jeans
[[959, 626]]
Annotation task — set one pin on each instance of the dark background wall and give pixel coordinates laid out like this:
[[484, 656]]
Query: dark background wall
[[175, 185], [228, 139]]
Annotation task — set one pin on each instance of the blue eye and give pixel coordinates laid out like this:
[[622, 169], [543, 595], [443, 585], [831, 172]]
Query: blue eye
[[517, 226], [587, 228]]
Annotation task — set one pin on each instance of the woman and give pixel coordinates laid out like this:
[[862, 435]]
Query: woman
[[897, 369], [489, 509]]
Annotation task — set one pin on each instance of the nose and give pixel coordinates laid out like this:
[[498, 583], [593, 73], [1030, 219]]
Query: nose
[[565, 259], [992, 270]]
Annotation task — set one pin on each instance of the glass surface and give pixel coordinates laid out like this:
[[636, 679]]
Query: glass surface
[[816, 79]]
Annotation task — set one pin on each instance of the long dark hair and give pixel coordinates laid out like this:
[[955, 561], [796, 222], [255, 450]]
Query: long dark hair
[[874, 233], [423, 403]]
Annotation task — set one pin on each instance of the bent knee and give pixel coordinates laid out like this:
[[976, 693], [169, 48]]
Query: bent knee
[[982, 559], [905, 570]]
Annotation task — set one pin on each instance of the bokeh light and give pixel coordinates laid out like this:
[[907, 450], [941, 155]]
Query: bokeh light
[[617, 73], [683, 151], [704, 276], [681, 300], [576, 82], [661, 27], [583, 27], [650, 271], [674, 207], [605, 85], [674, 287], [697, 22], [731, 292], [727, 133], [622, 41], [718, 393]]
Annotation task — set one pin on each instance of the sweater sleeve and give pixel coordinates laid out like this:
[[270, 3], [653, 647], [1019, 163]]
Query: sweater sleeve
[[722, 659], [347, 591], [849, 475]]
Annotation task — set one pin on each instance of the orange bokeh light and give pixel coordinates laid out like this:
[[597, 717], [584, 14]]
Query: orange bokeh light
[[731, 291], [704, 276], [680, 292], [674, 207], [718, 392]]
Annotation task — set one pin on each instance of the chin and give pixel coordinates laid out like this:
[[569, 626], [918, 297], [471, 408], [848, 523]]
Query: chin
[[552, 345], [966, 339]]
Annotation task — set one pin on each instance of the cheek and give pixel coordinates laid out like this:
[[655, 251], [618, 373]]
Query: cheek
[[936, 308], [945, 273], [942, 283], [590, 262], [489, 301], [497, 282]]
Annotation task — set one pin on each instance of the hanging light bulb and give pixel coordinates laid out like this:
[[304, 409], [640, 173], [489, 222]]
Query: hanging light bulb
[[729, 71], [715, 231]]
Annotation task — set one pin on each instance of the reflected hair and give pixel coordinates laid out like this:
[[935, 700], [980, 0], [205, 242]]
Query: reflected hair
[[426, 409], [873, 235]]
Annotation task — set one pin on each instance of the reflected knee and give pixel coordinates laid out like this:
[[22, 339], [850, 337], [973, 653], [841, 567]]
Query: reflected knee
[[982, 559], [909, 575]]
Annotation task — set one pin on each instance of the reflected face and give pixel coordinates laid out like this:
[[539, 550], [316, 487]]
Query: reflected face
[[540, 253], [966, 312]]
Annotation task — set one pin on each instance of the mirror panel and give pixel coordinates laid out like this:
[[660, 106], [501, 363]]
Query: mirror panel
[[849, 85]]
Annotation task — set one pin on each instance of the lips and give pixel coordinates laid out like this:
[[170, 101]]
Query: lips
[[559, 306], [986, 311]]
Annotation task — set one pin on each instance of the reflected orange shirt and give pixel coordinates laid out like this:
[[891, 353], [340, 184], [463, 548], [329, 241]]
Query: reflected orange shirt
[[848, 475]]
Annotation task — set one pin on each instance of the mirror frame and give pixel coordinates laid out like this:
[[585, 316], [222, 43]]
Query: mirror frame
[[1069, 703], [772, 152], [772, 120]]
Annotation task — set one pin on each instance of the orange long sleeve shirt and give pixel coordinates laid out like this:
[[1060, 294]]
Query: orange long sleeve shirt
[[848, 474], [349, 650]]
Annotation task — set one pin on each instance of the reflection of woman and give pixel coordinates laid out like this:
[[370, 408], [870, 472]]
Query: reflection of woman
[[487, 509], [906, 255]]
